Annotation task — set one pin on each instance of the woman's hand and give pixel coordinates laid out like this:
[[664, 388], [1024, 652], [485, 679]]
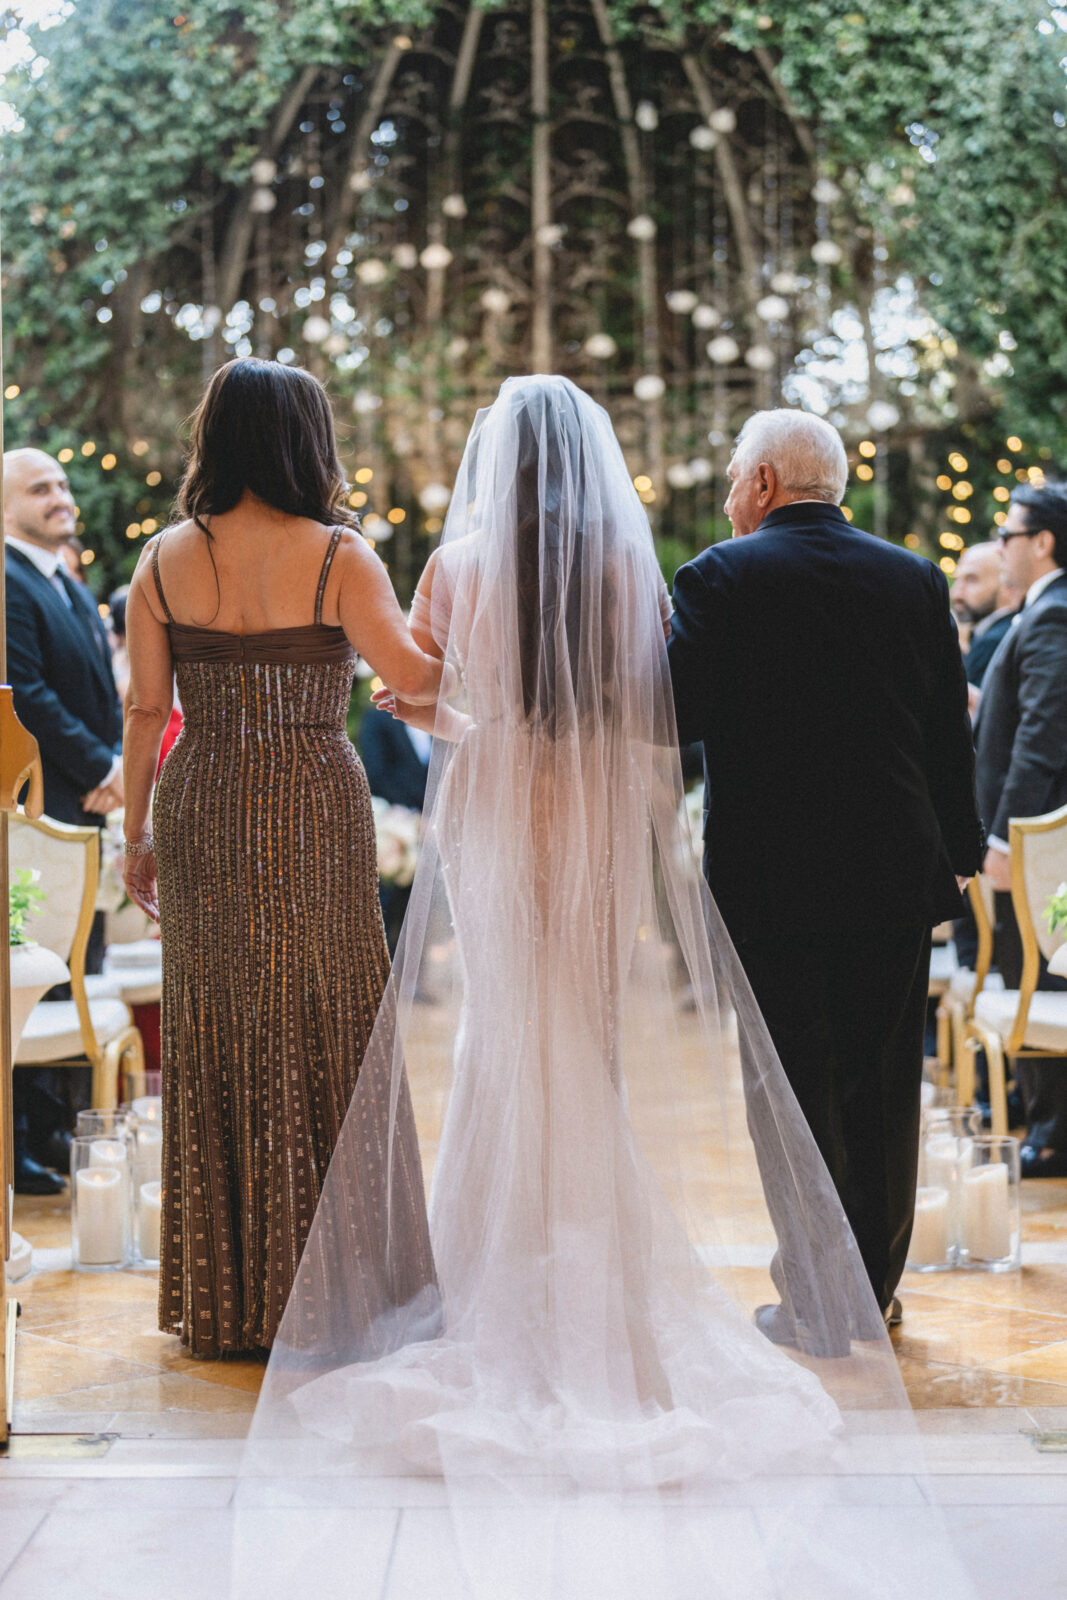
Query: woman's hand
[[424, 717], [139, 876]]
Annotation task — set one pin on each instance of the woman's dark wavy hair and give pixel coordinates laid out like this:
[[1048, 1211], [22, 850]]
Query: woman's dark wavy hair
[[268, 428]]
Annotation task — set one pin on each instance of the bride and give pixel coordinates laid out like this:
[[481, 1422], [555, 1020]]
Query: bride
[[577, 1377]]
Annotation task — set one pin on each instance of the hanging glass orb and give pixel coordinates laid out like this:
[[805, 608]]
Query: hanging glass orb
[[679, 476], [454, 205], [406, 257], [723, 121], [495, 301], [825, 192], [785, 283], [550, 235], [316, 329], [772, 308], [436, 257], [264, 170], [826, 252], [681, 302], [706, 316], [372, 271], [336, 344], [646, 116], [882, 415], [361, 181], [760, 357], [723, 350], [365, 401], [641, 227], [700, 469], [702, 137], [650, 386], [263, 200], [600, 346], [435, 497]]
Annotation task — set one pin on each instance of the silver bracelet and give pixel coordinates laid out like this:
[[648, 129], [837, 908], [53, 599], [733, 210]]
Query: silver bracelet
[[140, 847]]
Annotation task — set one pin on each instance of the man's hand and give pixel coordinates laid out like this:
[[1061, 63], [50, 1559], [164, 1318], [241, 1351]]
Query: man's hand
[[997, 868], [974, 695], [106, 797]]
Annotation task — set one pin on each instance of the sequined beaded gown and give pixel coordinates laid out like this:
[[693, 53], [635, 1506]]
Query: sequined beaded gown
[[274, 965]]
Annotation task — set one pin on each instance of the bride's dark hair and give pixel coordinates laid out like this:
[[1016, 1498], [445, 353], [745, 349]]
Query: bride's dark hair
[[268, 428], [550, 554]]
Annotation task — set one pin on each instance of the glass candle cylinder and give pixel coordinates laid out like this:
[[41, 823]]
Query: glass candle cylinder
[[148, 1108], [149, 1216], [963, 1122], [100, 1204], [991, 1222], [106, 1123], [930, 1249]]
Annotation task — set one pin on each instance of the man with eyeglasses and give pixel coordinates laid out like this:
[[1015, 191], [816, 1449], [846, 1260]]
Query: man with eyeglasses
[[1021, 767]]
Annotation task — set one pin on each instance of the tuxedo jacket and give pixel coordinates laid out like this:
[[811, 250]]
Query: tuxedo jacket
[[391, 761], [984, 648], [59, 666], [1021, 726], [821, 670]]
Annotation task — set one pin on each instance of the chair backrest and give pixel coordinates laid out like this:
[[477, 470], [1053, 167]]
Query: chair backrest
[[1042, 854], [68, 860], [980, 894]]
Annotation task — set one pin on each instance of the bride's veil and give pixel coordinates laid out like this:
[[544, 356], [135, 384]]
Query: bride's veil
[[552, 1388]]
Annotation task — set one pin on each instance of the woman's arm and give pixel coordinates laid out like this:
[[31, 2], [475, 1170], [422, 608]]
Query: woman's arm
[[440, 719], [374, 624], [149, 701]]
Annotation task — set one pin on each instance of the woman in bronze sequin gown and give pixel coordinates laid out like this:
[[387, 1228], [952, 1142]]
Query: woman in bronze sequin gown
[[274, 956]]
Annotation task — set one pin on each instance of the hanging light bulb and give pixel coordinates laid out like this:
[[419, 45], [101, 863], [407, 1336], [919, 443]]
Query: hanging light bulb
[[454, 205], [825, 192], [364, 401], [263, 200], [641, 227], [705, 316], [772, 308], [679, 476], [495, 301], [723, 350], [436, 257], [702, 137], [646, 116], [316, 329], [826, 252], [550, 235], [681, 302], [760, 357], [457, 348], [650, 386], [264, 170], [361, 181], [600, 346], [700, 469], [372, 271], [405, 256], [723, 121], [435, 497], [882, 416], [785, 283]]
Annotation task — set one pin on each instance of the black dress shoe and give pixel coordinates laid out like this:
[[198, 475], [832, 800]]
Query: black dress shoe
[[55, 1151], [1032, 1164], [893, 1315], [778, 1325], [32, 1178]]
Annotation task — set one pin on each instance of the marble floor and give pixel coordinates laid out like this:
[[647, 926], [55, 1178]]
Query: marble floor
[[121, 1441]]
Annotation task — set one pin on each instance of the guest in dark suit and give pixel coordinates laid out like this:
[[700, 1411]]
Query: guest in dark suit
[[821, 670], [396, 759], [1021, 732], [981, 599], [59, 664]]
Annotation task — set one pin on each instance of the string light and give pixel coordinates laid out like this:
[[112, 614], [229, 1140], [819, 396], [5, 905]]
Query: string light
[[108, 462], [642, 484], [1020, 473], [1014, 443], [357, 498], [944, 481], [962, 491], [434, 524], [133, 529], [12, 391], [1003, 465], [88, 557], [957, 462], [149, 525], [153, 478], [139, 447], [864, 472], [88, 448], [65, 455], [912, 541], [950, 541], [1001, 493], [364, 475], [397, 516], [947, 565], [868, 448], [1000, 518], [960, 514], [846, 512]]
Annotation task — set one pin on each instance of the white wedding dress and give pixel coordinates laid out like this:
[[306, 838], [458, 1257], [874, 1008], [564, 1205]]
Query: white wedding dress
[[577, 1378]]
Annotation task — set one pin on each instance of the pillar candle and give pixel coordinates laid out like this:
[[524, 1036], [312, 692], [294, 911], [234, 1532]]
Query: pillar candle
[[149, 1158], [100, 1199], [149, 1108], [986, 1222], [149, 1215], [929, 1234]]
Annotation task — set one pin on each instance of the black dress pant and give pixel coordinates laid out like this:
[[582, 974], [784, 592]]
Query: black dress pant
[[846, 1013], [1042, 1082]]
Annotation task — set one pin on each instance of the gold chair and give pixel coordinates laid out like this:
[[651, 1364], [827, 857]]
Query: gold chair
[[957, 1004], [97, 1029], [1026, 1022]]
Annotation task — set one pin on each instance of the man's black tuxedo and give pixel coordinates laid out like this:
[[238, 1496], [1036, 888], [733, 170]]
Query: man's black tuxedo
[[984, 645], [1021, 731], [59, 664], [394, 770], [1021, 726], [821, 670]]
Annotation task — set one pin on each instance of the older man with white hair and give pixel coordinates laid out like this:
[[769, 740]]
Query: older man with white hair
[[820, 669]]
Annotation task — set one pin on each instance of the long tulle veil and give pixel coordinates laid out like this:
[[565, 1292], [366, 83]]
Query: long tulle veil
[[551, 1388]]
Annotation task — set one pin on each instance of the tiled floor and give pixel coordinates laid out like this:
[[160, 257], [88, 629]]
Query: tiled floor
[[984, 1359]]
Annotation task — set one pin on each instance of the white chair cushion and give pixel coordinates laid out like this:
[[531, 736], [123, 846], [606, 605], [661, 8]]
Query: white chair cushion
[[943, 964], [961, 984], [53, 1033], [135, 985], [98, 986], [146, 953], [1046, 1027]]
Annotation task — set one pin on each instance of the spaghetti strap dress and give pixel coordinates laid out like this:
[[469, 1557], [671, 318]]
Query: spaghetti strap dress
[[274, 967]]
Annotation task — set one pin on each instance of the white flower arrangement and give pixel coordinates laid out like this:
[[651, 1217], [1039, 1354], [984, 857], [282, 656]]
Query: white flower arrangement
[[397, 831]]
